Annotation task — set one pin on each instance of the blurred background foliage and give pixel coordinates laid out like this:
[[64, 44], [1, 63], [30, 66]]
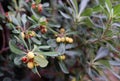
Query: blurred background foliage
[[74, 40]]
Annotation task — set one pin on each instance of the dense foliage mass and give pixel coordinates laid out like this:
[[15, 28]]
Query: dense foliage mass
[[60, 40]]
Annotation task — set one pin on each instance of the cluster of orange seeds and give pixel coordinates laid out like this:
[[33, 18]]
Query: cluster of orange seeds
[[63, 38], [61, 57], [29, 59], [43, 29], [28, 34], [38, 6]]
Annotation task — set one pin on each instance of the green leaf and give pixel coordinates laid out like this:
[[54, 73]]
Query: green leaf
[[63, 67], [82, 6], [88, 21], [109, 4], [70, 46], [14, 48], [97, 8], [34, 26], [34, 70], [34, 14], [23, 41], [14, 20], [61, 48], [29, 18], [24, 19], [54, 25], [64, 15], [87, 12], [15, 31], [52, 43], [105, 63], [46, 53], [102, 52], [116, 10], [74, 5], [45, 4], [114, 63], [73, 53], [10, 26], [112, 48], [50, 53], [72, 33], [41, 61], [17, 60], [1, 27], [2, 16], [36, 41], [37, 1], [44, 47]]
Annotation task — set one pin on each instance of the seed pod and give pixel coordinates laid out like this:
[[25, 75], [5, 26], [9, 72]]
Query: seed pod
[[22, 35], [40, 8], [67, 39], [42, 27], [62, 39], [30, 55], [58, 39], [33, 33], [43, 31], [62, 57], [62, 30], [70, 40], [33, 5], [30, 65], [24, 59]]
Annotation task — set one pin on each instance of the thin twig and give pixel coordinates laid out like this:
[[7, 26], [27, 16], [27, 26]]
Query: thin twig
[[4, 49], [3, 36], [1, 9]]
